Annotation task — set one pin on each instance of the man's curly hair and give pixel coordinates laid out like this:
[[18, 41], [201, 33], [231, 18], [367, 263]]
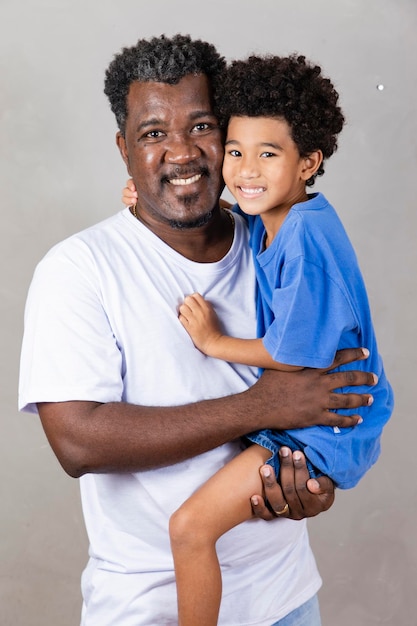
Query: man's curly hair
[[159, 59], [289, 88]]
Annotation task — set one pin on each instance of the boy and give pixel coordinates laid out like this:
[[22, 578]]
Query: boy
[[283, 121]]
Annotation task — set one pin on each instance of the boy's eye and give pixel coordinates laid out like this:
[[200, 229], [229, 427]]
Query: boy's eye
[[235, 153], [267, 154]]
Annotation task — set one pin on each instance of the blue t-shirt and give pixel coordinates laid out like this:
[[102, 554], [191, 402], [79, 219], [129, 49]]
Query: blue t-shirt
[[312, 302]]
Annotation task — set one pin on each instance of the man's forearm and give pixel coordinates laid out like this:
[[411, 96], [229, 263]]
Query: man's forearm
[[119, 437]]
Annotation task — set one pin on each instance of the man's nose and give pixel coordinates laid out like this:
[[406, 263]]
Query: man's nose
[[181, 149]]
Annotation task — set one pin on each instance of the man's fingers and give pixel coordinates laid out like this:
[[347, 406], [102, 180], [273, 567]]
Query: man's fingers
[[260, 509], [315, 494], [349, 355], [298, 496], [320, 486], [322, 489], [293, 476], [340, 421], [274, 492], [350, 400], [348, 378], [312, 495]]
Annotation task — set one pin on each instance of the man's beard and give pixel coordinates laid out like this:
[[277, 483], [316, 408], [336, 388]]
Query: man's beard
[[188, 224]]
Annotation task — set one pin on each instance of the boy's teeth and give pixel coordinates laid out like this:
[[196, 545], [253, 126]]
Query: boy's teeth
[[252, 190]]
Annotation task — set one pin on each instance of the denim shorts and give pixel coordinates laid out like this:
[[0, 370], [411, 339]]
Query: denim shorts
[[273, 440], [308, 614]]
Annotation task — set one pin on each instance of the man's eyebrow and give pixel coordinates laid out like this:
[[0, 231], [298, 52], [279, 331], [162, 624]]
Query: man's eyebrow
[[202, 113], [156, 121], [153, 121]]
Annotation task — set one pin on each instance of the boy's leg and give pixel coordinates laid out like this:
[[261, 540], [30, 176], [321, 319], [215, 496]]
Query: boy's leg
[[196, 527]]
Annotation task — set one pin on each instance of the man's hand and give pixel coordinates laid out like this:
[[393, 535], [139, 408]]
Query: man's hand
[[308, 397], [305, 497]]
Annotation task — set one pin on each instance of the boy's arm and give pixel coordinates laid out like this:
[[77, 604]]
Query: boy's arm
[[245, 351], [202, 324]]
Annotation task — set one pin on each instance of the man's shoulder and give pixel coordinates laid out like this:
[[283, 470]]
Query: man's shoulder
[[103, 228], [87, 235]]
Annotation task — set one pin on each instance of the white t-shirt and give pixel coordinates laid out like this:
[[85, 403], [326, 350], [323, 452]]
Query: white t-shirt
[[101, 325]]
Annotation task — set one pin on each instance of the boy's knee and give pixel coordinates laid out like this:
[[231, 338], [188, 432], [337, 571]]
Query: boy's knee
[[185, 531], [180, 525]]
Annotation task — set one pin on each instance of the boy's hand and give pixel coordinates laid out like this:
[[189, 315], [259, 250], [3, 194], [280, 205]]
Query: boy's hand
[[129, 194], [200, 321]]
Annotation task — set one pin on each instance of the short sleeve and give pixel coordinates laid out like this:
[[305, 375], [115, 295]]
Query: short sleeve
[[69, 351], [311, 312]]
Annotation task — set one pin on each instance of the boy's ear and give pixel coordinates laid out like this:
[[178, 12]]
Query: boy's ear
[[311, 164], [121, 144]]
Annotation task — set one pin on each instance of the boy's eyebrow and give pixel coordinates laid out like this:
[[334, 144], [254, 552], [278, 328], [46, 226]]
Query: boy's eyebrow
[[264, 144], [268, 144]]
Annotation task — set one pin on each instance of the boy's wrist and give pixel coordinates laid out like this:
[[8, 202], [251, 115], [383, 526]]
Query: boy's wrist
[[212, 346]]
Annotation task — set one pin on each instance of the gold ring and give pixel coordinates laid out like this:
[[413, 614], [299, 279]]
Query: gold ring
[[283, 511]]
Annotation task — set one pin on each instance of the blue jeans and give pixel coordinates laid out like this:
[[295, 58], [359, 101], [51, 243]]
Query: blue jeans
[[307, 614]]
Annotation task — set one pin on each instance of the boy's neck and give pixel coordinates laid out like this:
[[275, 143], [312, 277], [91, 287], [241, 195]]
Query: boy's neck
[[273, 220]]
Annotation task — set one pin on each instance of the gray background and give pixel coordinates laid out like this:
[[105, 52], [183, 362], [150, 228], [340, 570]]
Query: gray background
[[60, 172]]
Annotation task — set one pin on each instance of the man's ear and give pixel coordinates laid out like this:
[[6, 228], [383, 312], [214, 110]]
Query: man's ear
[[121, 144], [311, 164]]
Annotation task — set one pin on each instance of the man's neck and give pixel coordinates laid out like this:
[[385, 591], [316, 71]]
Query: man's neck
[[203, 244]]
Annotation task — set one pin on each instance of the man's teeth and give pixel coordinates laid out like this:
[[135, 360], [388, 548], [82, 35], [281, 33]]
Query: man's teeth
[[185, 181], [253, 189]]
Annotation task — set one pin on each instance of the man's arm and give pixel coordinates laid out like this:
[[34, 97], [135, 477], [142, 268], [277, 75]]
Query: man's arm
[[118, 437]]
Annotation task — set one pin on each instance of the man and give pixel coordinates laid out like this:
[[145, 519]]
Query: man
[[127, 402]]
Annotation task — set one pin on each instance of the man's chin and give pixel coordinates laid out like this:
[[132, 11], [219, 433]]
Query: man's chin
[[191, 211], [202, 220]]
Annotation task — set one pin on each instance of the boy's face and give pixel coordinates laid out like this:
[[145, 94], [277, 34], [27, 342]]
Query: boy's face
[[262, 166]]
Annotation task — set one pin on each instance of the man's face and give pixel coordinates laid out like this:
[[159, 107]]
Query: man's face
[[173, 150]]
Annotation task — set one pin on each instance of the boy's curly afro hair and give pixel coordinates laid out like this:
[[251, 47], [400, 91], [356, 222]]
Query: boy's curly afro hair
[[159, 59], [289, 88]]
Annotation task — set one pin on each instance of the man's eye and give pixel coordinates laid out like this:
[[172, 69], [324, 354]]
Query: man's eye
[[204, 127], [154, 134], [201, 126]]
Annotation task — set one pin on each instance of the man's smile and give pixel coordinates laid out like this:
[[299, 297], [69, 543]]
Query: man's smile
[[185, 181]]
